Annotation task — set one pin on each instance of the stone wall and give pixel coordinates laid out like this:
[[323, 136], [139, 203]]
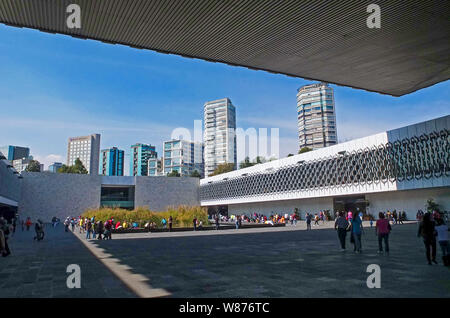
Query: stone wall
[[158, 193], [47, 194], [9, 184]]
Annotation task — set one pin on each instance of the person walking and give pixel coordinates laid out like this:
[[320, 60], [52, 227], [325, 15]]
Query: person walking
[[108, 229], [341, 225], [316, 219], [428, 233], [308, 221], [194, 221], [442, 237], [88, 230], [99, 229], [5, 230], [217, 222], [236, 222], [39, 229], [28, 223], [170, 223], [382, 230], [357, 230], [66, 225]]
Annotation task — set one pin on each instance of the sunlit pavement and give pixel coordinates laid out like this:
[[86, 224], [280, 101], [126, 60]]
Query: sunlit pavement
[[270, 262], [38, 269], [278, 262]]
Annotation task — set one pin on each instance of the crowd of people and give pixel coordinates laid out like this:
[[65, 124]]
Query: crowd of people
[[432, 227], [90, 226]]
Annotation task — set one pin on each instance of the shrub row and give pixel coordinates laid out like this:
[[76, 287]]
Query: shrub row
[[182, 215]]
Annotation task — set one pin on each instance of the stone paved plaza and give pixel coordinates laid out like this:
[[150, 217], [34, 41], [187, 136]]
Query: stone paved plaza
[[271, 262]]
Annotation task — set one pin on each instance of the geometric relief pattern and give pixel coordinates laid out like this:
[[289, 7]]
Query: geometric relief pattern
[[423, 157]]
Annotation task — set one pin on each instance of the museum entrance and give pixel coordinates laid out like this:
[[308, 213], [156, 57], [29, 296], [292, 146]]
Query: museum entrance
[[218, 209], [350, 203]]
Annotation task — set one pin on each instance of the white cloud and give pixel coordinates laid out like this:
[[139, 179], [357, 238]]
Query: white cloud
[[49, 159]]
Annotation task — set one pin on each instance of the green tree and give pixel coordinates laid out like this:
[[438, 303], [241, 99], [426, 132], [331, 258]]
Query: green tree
[[78, 168], [195, 174], [223, 168], [33, 166], [432, 206], [304, 149], [246, 163], [174, 173]]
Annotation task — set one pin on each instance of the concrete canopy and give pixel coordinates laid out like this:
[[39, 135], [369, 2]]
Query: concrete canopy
[[317, 39]]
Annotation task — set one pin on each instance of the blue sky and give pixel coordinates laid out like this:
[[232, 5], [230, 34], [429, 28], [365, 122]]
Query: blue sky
[[53, 87]]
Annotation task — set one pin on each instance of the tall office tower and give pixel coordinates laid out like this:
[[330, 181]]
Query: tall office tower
[[55, 166], [316, 116], [87, 149], [183, 156], [140, 154], [112, 161], [15, 152], [219, 134]]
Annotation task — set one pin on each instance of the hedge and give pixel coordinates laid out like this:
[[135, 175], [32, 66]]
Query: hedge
[[182, 216]]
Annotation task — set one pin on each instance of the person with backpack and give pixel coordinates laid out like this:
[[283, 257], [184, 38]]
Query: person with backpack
[[341, 225], [428, 233], [382, 230], [442, 237]]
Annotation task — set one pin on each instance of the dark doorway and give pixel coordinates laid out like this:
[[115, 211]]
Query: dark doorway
[[117, 197], [350, 203], [218, 209]]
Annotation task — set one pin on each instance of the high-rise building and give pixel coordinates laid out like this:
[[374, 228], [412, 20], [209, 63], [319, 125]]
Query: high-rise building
[[55, 166], [219, 134], [316, 116], [155, 167], [140, 154], [21, 164], [183, 156], [15, 152], [112, 162], [87, 149]]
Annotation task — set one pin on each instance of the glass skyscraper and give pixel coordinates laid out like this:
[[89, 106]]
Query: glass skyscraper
[[316, 116], [55, 166], [219, 134], [15, 152], [183, 156], [140, 155], [112, 162]]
